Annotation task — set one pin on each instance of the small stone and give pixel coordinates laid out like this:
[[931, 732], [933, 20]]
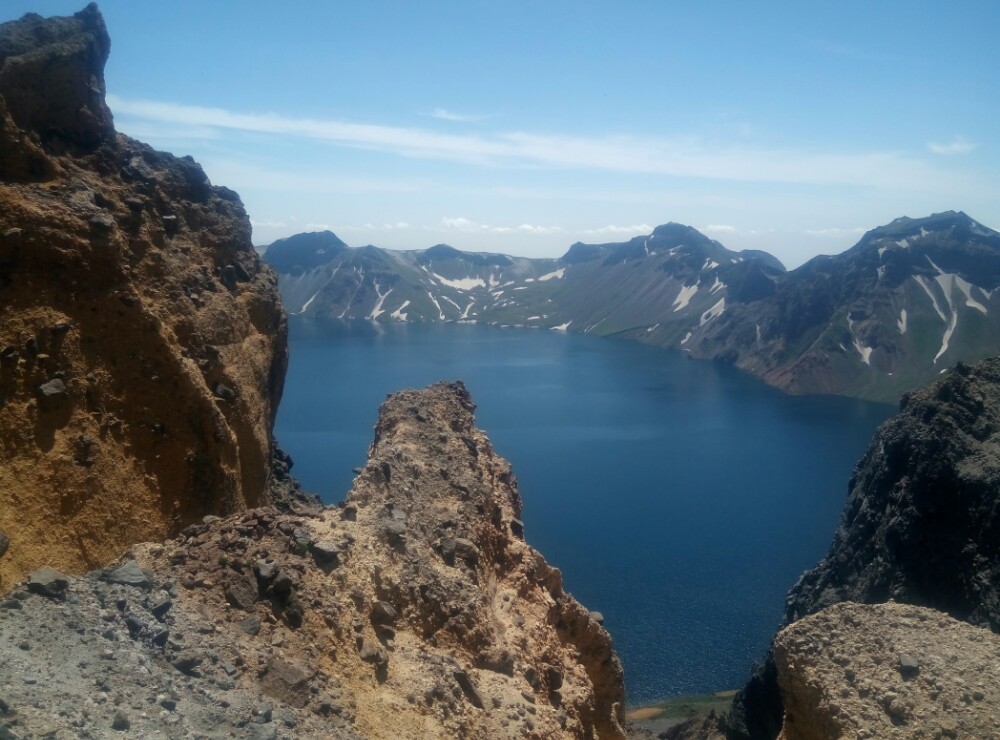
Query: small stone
[[130, 574], [47, 581], [383, 613], [909, 665], [52, 394], [121, 721], [517, 528], [468, 688], [102, 222], [326, 554], [251, 625], [223, 391], [134, 204], [372, 653], [187, 661]]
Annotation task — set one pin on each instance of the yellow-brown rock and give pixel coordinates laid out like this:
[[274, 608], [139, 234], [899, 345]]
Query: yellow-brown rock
[[887, 671], [142, 344]]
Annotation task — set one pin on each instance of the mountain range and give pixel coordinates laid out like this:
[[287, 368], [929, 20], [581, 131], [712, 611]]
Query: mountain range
[[888, 315]]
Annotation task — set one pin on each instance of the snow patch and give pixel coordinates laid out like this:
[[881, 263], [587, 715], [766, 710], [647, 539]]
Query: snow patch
[[865, 352], [654, 327], [710, 264], [398, 314], [562, 327], [686, 338], [901, 322], [557, 275], [377, 311], [446, 298], [436, 305], [684, 296], [716, 286], [465, 313], [717, 310], [462, 284], [308, 303]]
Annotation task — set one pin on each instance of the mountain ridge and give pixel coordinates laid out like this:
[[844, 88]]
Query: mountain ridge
[[885, 316]]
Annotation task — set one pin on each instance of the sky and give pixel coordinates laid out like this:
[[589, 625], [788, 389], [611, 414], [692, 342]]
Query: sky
[[523, 127]]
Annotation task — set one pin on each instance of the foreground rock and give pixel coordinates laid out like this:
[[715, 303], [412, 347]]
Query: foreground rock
[[921, 524], [415, 609], [887, 671], [142, 343]]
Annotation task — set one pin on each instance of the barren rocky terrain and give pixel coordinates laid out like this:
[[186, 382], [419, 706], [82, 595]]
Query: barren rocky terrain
[[414, 609]]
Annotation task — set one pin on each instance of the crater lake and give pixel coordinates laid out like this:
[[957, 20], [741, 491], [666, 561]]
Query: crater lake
[[680, 498]]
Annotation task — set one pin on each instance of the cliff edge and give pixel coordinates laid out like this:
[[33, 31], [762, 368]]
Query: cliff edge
[[414, 609], [142, 343], [921, 525]]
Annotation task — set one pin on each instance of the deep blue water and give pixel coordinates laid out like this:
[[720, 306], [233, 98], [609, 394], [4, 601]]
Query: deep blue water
[[680, 498]]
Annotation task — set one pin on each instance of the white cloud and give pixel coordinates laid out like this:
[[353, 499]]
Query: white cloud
[[676, 157], [268, 224], [447, 115], [835, 231], [958, 145], [613, 229], [310, 227], [720, 229]]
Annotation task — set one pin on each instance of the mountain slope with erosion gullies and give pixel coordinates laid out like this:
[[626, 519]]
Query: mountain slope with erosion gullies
[[675, 272], [142, 342], [888, 315]]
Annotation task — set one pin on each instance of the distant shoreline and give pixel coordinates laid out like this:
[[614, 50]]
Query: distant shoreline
[[662, 715]]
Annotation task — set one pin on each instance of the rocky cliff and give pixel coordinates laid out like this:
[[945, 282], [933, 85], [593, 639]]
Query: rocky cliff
[[921, 524], [414, 609], [142, 343]]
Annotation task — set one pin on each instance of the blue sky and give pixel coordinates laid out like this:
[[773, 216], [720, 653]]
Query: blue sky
[[525, 126]]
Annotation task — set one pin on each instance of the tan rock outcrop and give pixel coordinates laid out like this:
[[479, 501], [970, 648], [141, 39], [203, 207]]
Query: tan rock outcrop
[[887, 671], [142, 343], [414, 609]]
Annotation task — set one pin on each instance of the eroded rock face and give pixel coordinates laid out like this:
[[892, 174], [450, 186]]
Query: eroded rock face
[[411, 610], [142, 343], [887, 671], [921, 524]]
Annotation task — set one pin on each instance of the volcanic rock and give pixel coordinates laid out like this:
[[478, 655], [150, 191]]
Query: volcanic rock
[[102, 241]]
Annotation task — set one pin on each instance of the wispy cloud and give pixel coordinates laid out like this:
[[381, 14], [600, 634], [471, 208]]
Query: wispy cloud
[[835, 231], [720, 229], [676, 157], [447, 115], [958, 145], [270, 224], [460, 223], [634, 229]]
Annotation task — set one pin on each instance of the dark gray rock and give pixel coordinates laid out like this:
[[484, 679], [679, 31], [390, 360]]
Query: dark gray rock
[[130, 574], [47, 581], [52, 394], [468, 688], [121, 722], [383, 613], [241, 592], [4, 543], [286, 682]]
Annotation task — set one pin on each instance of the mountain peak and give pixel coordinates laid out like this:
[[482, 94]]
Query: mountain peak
[[53, 76], [304, 251]]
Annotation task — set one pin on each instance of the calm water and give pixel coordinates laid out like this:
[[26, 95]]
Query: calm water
[[680, 498]]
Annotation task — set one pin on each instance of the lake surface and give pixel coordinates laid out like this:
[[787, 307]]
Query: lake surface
[[680, 498]]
